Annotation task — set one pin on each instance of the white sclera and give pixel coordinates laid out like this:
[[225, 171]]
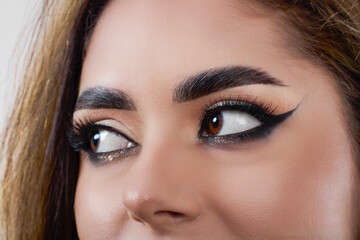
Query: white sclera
[[237, 122], [110, 141]]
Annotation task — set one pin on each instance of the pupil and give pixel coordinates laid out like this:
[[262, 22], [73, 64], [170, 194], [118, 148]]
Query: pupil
[[94, 142], [215, 124]]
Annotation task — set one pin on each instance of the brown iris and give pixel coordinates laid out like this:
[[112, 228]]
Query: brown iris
[[215, 122], [94, 141]]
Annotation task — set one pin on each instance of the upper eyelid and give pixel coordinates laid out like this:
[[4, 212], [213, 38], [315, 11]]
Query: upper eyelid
[[88, 119], [224, 102], [116, 131], [117, 125], [259, 95]]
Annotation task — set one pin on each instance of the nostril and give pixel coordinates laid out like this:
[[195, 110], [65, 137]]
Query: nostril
[[169, 213], [132, 216]]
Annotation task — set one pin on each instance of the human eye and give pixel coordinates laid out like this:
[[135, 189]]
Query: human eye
[[102, 143], [230, 121]]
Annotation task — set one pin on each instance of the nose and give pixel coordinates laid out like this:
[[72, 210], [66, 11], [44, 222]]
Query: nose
[[159, 189]]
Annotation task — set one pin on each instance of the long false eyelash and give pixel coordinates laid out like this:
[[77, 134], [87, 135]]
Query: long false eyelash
[[268, 108], [78, 133]]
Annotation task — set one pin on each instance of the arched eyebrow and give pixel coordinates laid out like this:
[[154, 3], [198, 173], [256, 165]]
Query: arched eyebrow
[[104, 98], [218, 79], [193, 87]]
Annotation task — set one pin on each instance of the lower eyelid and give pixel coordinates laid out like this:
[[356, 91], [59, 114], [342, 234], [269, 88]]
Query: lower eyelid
[[118, 155]]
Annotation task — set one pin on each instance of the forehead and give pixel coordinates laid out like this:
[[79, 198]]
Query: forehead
[[141, 45], [143, 34]]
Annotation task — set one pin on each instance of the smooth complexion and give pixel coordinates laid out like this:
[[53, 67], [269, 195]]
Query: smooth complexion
[[295, 182]]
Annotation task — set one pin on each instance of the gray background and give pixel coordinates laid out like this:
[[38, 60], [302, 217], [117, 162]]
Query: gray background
[[15, 17]]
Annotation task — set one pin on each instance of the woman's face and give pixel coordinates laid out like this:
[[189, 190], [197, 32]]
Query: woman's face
[[199, 121]]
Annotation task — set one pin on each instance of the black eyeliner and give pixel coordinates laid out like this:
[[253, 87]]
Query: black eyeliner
[[101, 158], [264, 113], [78, 136]]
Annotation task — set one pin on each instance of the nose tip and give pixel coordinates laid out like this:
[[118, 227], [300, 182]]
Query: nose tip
[[158, 210]]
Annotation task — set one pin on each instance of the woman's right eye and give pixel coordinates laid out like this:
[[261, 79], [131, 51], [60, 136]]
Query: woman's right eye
[[103, 141]]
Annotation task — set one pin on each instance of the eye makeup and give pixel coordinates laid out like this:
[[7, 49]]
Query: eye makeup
[[224, 122], [82, 135], [259, 112]]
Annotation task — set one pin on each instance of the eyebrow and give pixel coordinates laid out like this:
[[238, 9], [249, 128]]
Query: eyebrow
[[193, 87], [104, 98], [218, 79]]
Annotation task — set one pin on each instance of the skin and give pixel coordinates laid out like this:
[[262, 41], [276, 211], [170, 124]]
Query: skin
[[296, 183]]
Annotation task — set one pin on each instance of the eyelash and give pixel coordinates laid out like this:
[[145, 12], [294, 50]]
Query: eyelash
[[262, 111], [266, 107], [78, 136], [80, 131]]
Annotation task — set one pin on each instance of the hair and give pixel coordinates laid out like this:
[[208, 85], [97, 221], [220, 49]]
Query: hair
[[40, 178]]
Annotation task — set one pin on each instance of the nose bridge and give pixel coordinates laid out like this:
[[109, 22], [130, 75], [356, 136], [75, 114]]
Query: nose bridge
[[159, 188]]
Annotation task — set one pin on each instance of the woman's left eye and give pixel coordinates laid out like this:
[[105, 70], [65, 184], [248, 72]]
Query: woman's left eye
[[233, 121], [229, 122]]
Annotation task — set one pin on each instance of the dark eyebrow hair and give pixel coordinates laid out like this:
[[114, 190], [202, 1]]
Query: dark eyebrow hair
[[105, 98], [218, 79]]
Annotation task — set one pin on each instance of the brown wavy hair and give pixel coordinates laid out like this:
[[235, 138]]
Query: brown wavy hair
[[40, 178]]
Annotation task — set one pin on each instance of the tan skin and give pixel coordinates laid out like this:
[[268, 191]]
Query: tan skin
[[296, 182]]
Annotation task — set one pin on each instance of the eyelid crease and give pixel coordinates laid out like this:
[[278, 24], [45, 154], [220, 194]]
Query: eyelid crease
[[266, 106], [116, 125]]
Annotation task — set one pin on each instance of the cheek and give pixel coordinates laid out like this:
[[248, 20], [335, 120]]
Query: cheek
[[324, 168], [299, 180], [99, 212]]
